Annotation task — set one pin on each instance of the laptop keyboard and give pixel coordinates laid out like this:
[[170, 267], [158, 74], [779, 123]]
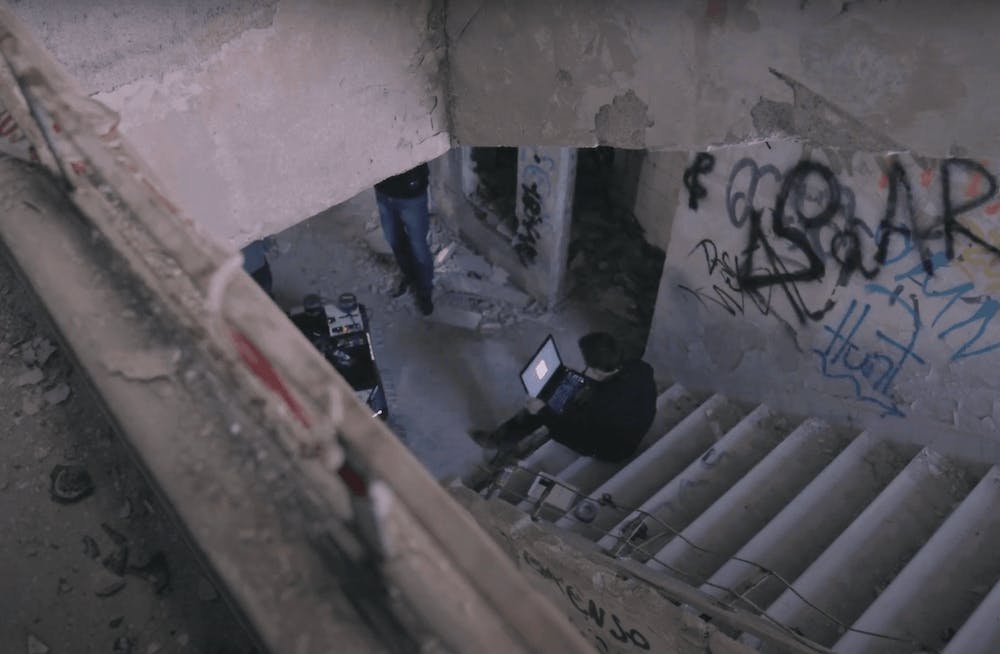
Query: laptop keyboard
[[565, 392]]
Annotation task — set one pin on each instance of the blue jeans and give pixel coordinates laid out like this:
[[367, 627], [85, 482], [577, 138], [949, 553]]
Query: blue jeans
[[405, 223]]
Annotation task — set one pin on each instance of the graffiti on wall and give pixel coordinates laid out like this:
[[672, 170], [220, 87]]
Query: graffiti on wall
[[920, 259], [607, 628], [536, 188], [702, 165]]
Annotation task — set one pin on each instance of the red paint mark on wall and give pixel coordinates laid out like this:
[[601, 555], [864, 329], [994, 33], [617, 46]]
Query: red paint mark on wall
[[715, 10], [353, 480], [264, 371], [992, 209], [883, 182], [972, 188], [926, 177]]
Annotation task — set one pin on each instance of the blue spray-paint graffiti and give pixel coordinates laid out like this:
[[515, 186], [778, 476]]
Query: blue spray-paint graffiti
[[871, 372], [803, 225], [535, 190]]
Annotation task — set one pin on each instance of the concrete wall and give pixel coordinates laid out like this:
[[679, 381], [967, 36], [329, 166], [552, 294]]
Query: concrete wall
[[257, 115], [649, 183], [683, 75], [535, 255], [871, 301]]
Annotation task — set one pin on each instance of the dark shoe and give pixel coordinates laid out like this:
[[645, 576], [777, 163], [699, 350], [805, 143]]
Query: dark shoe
[[483, 438], [425, 305], [401, 288]]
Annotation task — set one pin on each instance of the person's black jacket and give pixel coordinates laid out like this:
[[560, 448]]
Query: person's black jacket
[[610, 422], [410, 184]]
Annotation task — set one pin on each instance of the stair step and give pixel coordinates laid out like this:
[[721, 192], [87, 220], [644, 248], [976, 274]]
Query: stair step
[[981, 632], [804, 528], [707, 478], [551, 457], [936, 591], [672, 406], [662, 461], [849, 575], [755, 499]]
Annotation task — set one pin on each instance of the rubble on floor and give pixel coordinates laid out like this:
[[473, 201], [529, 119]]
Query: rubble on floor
[[470, 292], [126, 584]]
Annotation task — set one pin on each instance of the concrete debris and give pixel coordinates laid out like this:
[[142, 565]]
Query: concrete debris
[[123, 645], [117, 562], [499, 276], [153, 648], [458, 283], [90, 548], [113, 586], [490, 327], [142, 365], [36, 646], [444, 253], [155, 571], [116, 537], [473, 263], [456, 317], [70, 484], [29, 377], [37, 351], [32, 404], [376, 243], [57, 395]]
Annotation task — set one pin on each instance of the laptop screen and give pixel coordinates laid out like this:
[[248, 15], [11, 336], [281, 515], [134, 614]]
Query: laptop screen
[[541, 368]]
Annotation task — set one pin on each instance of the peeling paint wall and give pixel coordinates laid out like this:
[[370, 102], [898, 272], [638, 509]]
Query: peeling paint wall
[[257, 115], [684, 75], [861, 287]]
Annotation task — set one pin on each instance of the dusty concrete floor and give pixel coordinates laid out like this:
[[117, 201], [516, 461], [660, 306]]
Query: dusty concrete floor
[[51, 575], [441, 380]]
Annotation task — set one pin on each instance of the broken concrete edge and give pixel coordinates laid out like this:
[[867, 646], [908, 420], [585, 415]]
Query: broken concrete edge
[[516, 532], [304, 401], [179, 432]]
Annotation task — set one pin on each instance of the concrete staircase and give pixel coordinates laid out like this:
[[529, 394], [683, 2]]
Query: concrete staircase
[[857, 543]]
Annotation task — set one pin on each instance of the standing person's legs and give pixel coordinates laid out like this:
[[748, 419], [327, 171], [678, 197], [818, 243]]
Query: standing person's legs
[[395, 234], [263, 277], [414, 215]]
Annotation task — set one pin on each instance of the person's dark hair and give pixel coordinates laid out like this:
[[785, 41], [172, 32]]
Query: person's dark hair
[[601, 351]]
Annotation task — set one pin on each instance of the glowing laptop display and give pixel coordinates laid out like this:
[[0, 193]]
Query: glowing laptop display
[[541, 368]]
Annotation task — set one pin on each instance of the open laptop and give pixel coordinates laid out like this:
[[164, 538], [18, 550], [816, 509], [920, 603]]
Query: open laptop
[[546, 378]]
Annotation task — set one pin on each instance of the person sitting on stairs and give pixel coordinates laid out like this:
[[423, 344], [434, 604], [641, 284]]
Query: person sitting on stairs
[[607, 422]]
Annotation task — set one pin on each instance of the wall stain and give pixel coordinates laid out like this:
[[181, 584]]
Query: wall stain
[[812, 117], [623, 123]]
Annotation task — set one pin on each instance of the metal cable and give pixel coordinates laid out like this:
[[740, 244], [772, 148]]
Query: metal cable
[[678, 534]]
